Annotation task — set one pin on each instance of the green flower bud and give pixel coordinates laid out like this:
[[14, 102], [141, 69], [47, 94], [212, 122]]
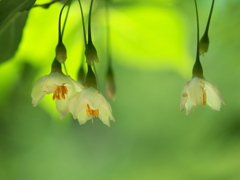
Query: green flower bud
[[61, 53], [197, 70], [91, 78], [203, 44], [110, 86], [81, 75], [56, 66], [91, 54]]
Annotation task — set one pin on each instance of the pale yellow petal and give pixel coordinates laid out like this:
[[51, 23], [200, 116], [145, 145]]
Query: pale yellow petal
[[37, 93], [195, 91], [76, 104], [92, 96], [59, 79], [184, 96], [105, 112], [214, 97], [82, 117]]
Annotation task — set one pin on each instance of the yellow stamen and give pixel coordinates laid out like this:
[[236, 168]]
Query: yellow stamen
[[60, 93], [204, 98], [91, 112]]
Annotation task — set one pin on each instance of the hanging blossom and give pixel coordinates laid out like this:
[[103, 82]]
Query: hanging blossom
[[88, 104], [61, 86], [198, 92]]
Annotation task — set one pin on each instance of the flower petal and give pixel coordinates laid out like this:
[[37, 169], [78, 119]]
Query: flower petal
[[184, 97], [105, 105], [58, 79], [82, 117], [214, 97], [77, 104], [77, 86], [183, 100], [62, 107], [37, 93], [188, 107], [93, 97], [105, 112], [195, 91]]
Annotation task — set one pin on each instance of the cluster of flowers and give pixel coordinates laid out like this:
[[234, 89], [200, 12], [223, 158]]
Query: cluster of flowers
[[84, 102], [72, 97]]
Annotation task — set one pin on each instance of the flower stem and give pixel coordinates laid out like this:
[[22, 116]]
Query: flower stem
[[60, 47], [197, 67], [59, 24], [89, 24], [204, 41], [108, 34], [209, 18], [66, 17], [83, 23]]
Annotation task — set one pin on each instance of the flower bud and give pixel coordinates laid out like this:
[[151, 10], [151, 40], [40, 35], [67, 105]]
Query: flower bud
[[61, 53], [110, 87], [91, 54], [203, 44], [91, 78], [56, 66], [81, 75]]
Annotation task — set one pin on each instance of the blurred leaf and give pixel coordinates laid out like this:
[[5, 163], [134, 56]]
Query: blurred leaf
[[8, 8], [12, 22], [11, 36]]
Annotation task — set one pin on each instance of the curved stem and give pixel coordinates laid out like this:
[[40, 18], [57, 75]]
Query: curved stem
[[89, 24], [83, 23], [59, 25], [197, 68], [66, 17], [197, 55], [209, 17], [61, 32], [108, 35]]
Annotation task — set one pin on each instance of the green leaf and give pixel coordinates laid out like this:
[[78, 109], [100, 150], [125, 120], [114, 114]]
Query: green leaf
[[11, 36], [8, 9], [13, 17]]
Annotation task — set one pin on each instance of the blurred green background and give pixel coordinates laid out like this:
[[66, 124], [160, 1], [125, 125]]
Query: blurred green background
[[153, 47]]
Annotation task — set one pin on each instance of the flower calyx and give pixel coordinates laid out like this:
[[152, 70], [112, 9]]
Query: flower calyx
[[91, 54], [203, 44], [61, 52], [110, 86]]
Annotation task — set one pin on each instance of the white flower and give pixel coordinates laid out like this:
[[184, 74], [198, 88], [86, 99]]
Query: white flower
[[88, 104], [62, 87], [198, 92]]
